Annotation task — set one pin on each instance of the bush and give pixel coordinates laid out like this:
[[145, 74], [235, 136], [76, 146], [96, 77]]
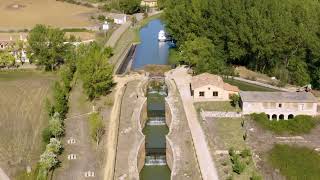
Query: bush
[[238, 167], [299, 125], [245, 153], [96, 127], [235, 99], [46, 135]]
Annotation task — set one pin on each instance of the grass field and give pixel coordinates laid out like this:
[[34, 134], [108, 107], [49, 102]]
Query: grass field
[[295, 162], [215, 106], [22, 118], [223, 134], [22, 14], [243, 86]]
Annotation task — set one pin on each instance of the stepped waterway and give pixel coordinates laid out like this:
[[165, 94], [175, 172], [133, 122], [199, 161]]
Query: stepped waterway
[[155, 131]]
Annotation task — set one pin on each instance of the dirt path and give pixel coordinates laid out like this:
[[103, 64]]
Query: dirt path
[[111, 144], [206, 163], [117, 34], [3, 175]]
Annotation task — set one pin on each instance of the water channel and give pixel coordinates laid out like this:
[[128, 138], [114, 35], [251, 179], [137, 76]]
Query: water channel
[[150, 51]]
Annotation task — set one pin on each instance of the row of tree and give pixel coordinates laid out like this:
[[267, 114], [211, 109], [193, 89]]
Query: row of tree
[[277, 37]]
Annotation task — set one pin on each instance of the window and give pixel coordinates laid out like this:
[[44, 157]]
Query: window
[[214, 93], [280, 105], [201, 93]]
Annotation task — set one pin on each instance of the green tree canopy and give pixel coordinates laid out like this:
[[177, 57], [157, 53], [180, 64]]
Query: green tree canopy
[[95, 70], [277, 37], [46, 46]]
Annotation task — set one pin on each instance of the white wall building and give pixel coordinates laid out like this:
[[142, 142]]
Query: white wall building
[[209, 87], [105, 26], [120, 18], [279, 105]]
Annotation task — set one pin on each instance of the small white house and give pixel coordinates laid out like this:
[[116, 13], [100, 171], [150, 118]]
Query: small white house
[[105, 26], [209, 87], [120, 18]]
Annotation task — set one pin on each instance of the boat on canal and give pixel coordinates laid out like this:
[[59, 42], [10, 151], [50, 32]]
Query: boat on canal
[[162, 36]]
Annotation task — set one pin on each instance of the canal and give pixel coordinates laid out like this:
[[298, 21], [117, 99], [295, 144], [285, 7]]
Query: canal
[[151, 51]]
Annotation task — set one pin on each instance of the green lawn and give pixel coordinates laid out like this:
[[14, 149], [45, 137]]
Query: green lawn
[[215, 106], [229, 134], [299, 125], [243, 86], [295, 162]]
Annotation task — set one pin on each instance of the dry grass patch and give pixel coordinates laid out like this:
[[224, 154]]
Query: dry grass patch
[[22, 14], [22, 118]]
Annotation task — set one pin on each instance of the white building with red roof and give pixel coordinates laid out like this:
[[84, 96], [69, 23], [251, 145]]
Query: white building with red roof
[[210, 87]]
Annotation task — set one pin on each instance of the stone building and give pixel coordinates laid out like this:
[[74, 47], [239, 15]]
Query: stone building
[[209, 87], [279, 105], [149, 3]]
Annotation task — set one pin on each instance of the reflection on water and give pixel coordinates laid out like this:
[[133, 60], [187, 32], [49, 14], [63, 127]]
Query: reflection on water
[[151, 51]]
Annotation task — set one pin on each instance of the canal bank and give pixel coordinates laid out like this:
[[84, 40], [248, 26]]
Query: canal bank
[[154, 141]]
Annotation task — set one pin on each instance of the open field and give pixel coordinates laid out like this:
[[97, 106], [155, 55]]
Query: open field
[[24, 14], [16, 36], [22, 118], [223, 134], [244, 86], [215, 106], [295, 162]]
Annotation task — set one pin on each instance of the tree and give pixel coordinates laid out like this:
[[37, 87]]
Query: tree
[[48, 160], [96, 127], [56, 127], [129, 6], [6, 59], [235, 100], [46, 46], [61, 100], [276, 37], [95, 70], [200, 54], [54, 146]]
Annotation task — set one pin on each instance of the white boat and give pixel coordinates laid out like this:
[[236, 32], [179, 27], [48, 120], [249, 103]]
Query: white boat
[[162, 36]]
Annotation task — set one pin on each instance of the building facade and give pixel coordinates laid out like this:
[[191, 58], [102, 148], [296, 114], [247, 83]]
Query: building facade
[[209, 87], [279, 105], [149, 3]]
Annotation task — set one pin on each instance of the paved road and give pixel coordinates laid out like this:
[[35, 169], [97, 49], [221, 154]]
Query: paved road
[[117, 34], [206, 163]]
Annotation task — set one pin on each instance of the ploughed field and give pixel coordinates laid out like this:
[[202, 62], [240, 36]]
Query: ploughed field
[[22, 118], [21, 14]]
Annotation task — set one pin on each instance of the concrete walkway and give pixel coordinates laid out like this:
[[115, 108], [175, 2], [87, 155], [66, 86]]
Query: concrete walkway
[[111, 144], [206, 163], [3, 175]]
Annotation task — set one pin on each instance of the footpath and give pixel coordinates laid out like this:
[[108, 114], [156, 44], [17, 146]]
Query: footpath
[[3, 175], [206, 163]]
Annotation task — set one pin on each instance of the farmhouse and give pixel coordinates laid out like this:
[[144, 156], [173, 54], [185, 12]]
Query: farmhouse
[[120, 18], [279, 105], [209, 87], [149, 3]]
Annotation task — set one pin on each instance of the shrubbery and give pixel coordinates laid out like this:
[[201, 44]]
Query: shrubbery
[[57, 112], [299, 125], [96, 127]]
